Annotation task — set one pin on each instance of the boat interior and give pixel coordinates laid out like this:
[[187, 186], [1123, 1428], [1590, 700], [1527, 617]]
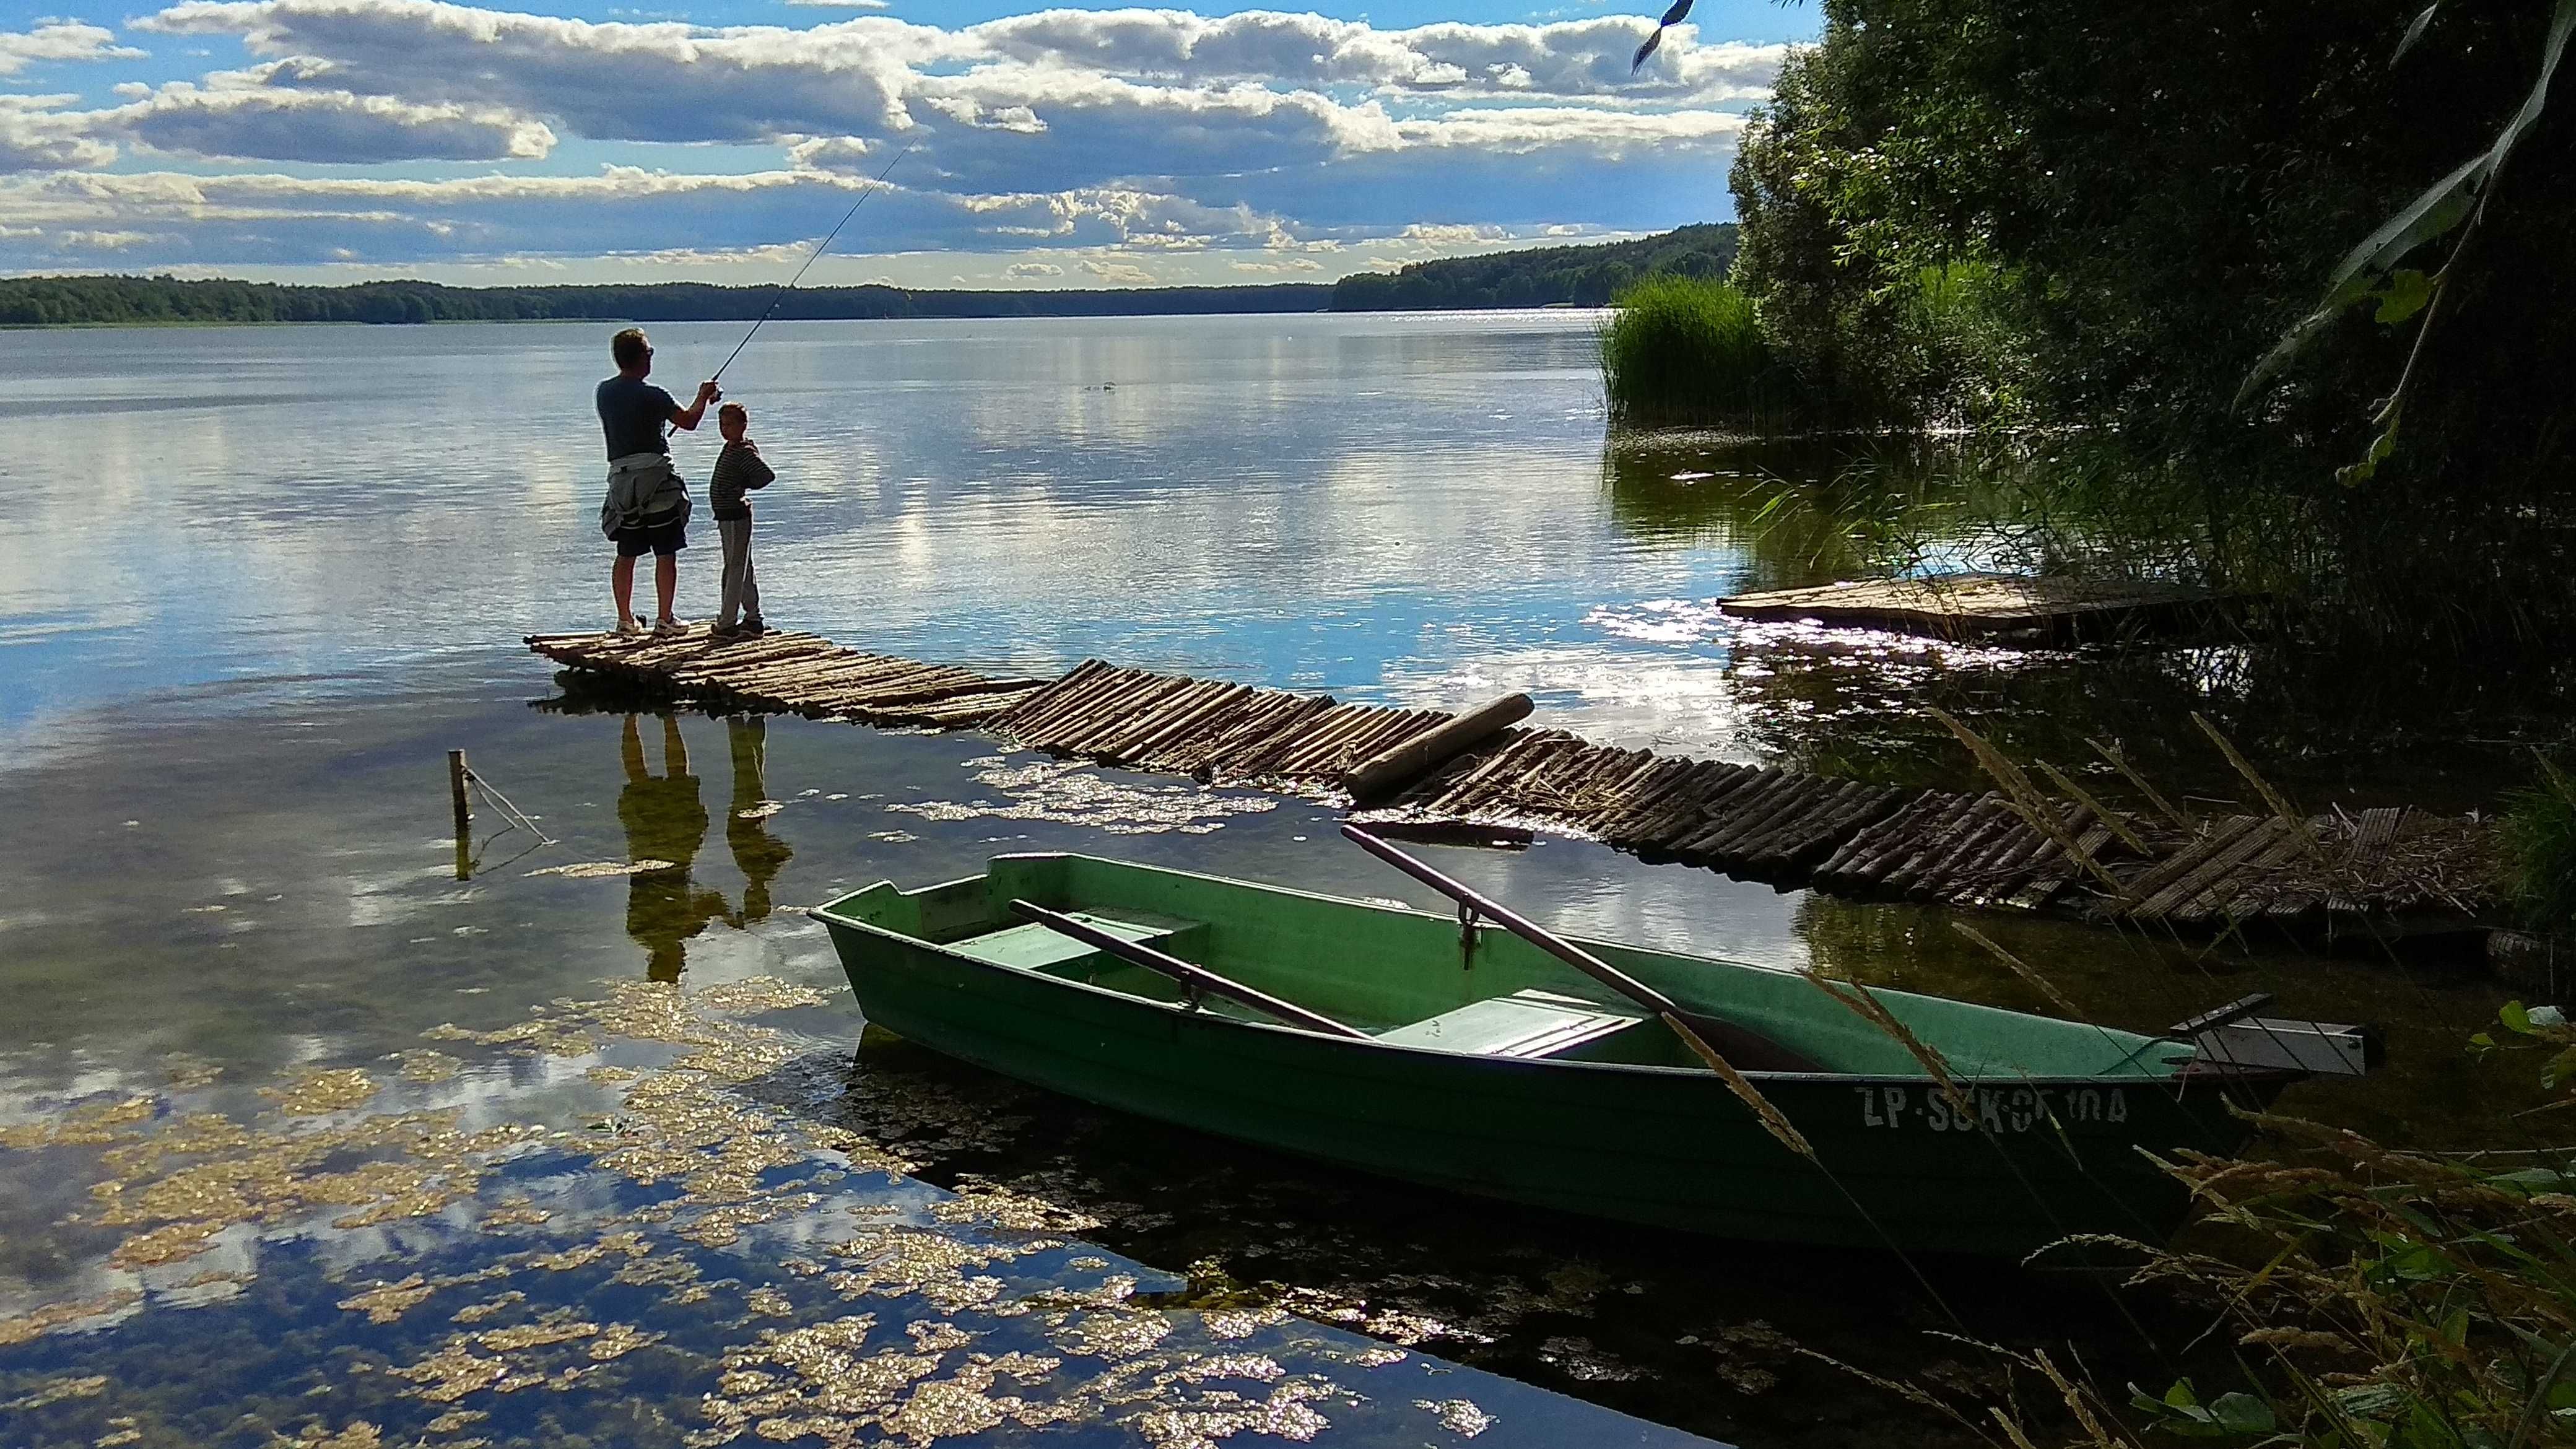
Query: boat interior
[[1418, 979]]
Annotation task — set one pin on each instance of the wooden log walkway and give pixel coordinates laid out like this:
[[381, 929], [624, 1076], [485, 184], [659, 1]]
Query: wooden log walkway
[[2380, 869], [791, 673]]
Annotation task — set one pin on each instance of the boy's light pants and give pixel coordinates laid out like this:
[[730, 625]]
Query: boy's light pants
[[741, 590]]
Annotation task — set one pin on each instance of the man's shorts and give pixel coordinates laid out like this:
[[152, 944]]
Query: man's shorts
[[664, 539]]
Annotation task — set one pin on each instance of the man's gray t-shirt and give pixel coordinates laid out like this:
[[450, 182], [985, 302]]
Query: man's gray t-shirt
[[634, 413]]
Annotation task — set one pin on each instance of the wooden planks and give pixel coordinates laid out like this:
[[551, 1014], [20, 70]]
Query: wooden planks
[[791, 673], [1966, 605], [1215, 731], [1764, 823]]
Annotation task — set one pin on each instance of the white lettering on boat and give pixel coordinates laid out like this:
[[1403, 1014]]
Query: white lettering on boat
[[1998, 1109]]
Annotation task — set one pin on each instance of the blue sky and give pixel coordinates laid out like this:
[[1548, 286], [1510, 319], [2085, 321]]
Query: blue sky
[[535, 140]]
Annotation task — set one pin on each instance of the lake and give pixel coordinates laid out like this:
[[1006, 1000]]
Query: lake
[[260, 581]]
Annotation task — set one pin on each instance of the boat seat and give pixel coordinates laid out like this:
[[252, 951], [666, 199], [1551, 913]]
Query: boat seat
[[1032, 947], [1526, 1024]]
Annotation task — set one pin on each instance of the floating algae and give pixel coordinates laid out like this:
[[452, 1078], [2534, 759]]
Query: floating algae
[[1076, 794], [632, 1246]]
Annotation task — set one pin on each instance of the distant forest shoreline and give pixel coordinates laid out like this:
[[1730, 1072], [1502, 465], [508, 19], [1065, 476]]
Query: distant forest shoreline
[[1537, 277]]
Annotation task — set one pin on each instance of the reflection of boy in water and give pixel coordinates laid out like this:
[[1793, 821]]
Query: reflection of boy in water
[[664, 820], [756, 853]]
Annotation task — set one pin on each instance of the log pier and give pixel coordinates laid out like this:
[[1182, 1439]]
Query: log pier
[[2381, 873]]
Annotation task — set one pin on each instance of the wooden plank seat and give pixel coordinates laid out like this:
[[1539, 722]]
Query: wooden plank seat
[[1525, 1024], [1036, 948]]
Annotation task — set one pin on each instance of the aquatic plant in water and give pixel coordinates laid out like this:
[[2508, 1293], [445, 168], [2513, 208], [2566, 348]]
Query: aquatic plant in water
[[1689, 349], [574, 1230]]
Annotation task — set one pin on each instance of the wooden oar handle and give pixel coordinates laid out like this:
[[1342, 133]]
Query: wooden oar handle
[[1518, 924]]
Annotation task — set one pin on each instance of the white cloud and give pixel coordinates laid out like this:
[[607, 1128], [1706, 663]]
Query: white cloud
[[1570, 58], [59, 40], [656, 82], [1030, 271], [842, 4], [268, 124], [36, 134], [1093, 132], [1119, 274], [100, 241]]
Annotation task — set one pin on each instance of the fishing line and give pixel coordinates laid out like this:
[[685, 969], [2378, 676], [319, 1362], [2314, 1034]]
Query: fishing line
[[810, 259]]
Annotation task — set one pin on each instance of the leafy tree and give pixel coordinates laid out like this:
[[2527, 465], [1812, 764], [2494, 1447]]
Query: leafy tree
[[2147, 196]]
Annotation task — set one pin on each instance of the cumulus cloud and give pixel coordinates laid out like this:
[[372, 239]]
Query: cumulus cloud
[[59, 40], [1113, 134], [37, 134], [268, 124], [1572, 58], [1118, 274], [623, 82], [1031, 271]]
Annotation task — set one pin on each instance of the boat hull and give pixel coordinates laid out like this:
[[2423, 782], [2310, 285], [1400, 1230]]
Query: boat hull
[[1897, 1165]]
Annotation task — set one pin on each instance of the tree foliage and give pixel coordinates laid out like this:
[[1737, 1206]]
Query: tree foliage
[[1584, 276], [2149, 196]]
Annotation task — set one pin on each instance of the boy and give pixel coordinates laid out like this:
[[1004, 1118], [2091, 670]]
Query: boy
[[647, 509], [738, 470]]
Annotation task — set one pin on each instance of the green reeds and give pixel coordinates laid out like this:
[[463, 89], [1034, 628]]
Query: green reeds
[[1690, 350], [2540, 842]]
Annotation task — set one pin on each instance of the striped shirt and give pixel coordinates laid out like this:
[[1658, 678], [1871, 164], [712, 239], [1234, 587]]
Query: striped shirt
[[738, 470]]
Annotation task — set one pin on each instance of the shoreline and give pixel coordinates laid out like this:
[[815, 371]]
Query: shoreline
[[164, 323]]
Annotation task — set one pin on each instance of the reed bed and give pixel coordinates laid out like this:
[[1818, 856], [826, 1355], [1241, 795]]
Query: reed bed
[[1690, 349]]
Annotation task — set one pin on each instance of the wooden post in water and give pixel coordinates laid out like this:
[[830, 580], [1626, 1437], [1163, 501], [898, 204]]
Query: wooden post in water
[[464, 813]]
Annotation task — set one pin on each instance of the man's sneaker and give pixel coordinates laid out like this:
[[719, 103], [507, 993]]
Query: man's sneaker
[[754, 627], [729, 631], [628, 628], [670, 626]]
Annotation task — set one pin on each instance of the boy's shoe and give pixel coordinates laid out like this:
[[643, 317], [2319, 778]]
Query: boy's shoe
[[670, 626], [628, 628], [754, 627], [729, 631]]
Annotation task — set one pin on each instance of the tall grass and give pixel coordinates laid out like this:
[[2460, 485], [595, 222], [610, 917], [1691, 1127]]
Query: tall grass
[[1690, 350], [2540, 837]]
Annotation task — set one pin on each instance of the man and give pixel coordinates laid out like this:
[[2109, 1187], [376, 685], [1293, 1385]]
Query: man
[[647, 510], [666, 822]]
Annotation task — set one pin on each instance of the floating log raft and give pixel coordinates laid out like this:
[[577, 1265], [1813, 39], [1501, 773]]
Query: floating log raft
[[2379, 872], [1995, 606]]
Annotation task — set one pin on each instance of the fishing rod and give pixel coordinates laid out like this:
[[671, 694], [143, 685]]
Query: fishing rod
[[810, 259]]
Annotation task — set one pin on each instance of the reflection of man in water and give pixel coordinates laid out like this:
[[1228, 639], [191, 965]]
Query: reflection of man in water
[[756, 853], [664, 820]]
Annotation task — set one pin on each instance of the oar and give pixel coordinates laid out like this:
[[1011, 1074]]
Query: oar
[[1197, 977], [1693, 1028]]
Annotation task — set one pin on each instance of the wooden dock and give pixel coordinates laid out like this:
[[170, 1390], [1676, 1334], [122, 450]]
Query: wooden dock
[[2380, 872], [791, 673], [1994, 606]]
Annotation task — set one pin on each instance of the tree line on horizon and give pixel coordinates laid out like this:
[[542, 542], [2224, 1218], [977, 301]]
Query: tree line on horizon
[[1576, 275]]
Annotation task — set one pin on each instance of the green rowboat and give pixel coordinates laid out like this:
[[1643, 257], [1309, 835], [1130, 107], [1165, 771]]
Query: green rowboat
[[1483, 1064]]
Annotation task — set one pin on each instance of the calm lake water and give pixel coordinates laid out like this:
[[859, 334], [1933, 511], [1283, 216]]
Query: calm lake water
[[259, 581]]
